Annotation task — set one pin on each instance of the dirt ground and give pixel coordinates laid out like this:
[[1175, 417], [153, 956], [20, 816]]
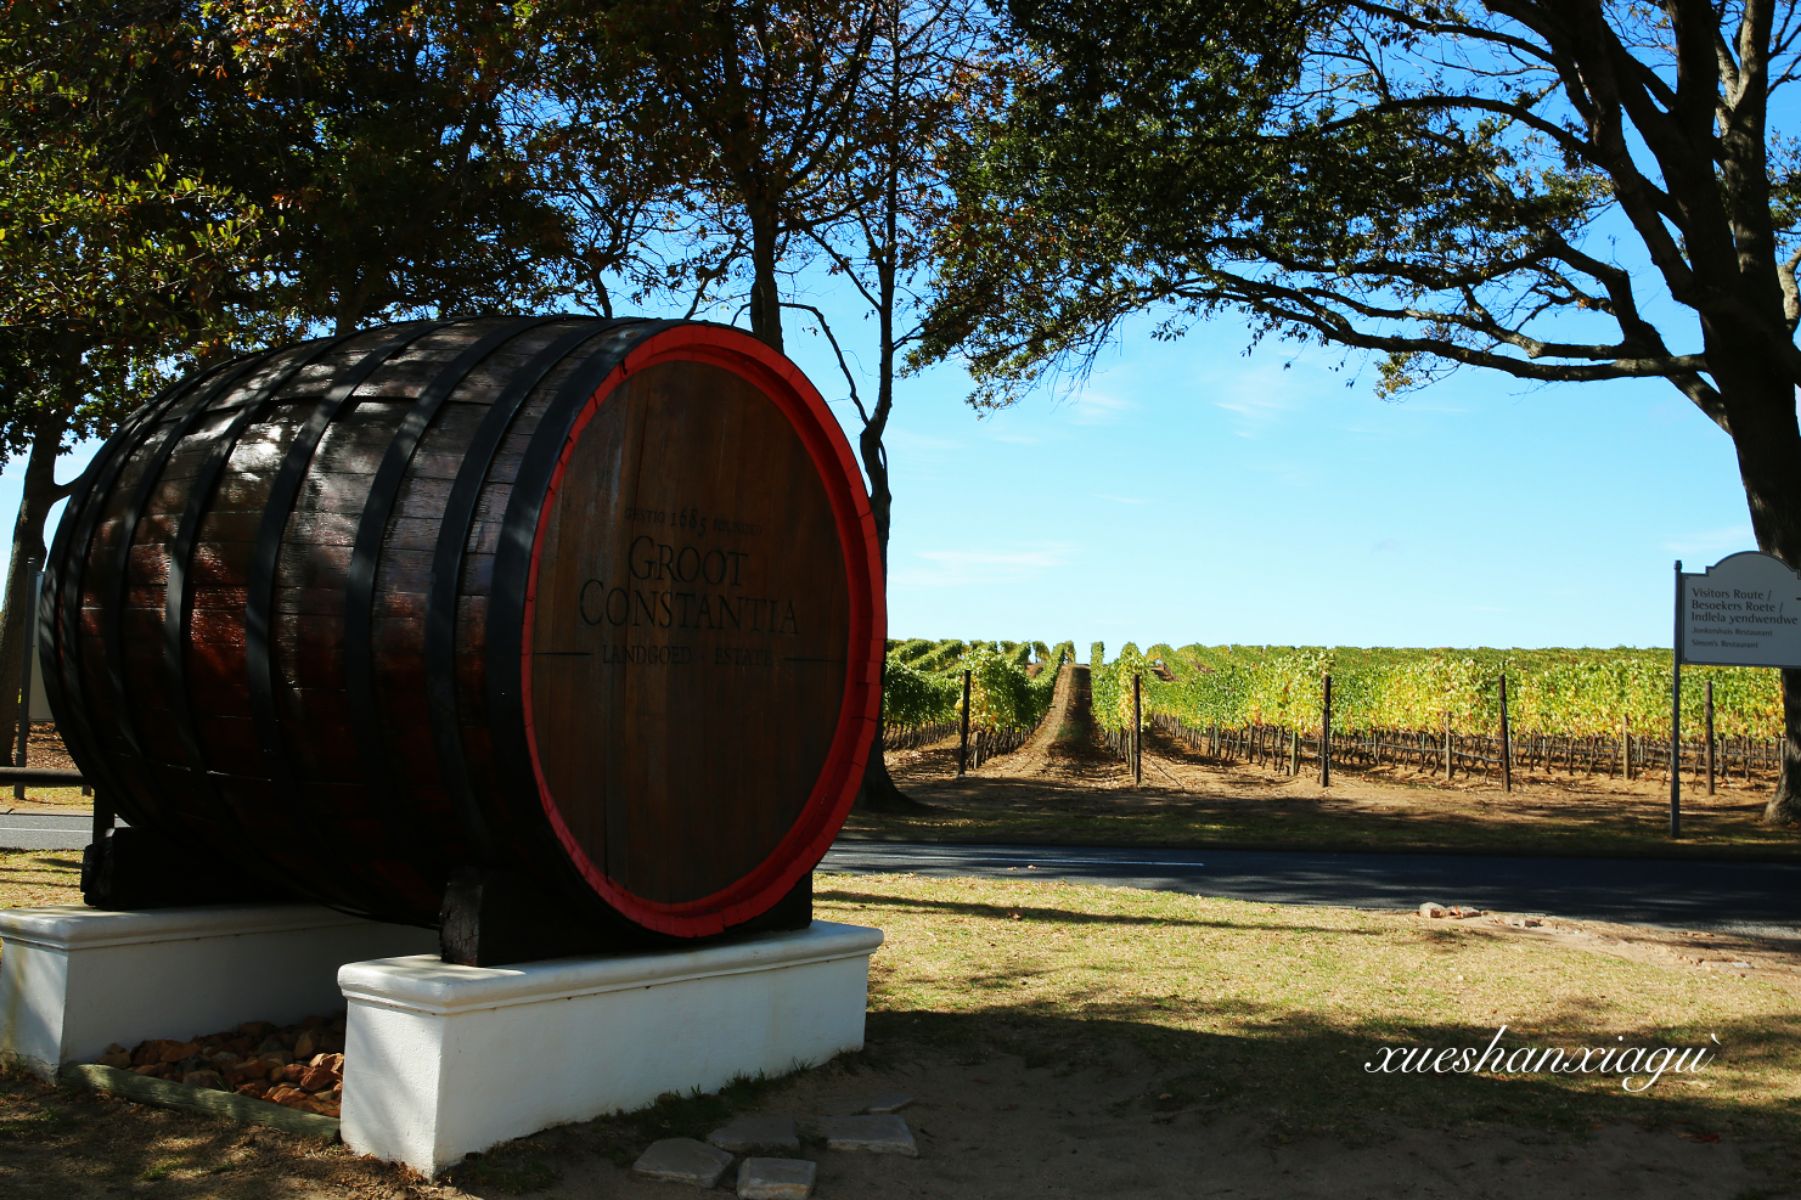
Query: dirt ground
[[1173, 772]]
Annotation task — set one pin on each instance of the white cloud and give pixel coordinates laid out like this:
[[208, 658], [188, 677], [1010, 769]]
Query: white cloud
[[1090, 407], [996, 558], [964, 568], [906, 439], [1258, 397], [1711, 545], [1428, 406], [1288, 473]]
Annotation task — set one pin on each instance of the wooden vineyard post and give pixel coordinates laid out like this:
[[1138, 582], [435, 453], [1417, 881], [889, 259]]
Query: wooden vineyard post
[[1447, 715], [1626, 747], [963, 730], [1137, 730], [1325, 735], [1506, 741], [1710, 742], [1294, 751]]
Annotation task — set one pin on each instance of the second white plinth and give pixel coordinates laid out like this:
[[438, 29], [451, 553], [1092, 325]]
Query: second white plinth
[[444, 1060]]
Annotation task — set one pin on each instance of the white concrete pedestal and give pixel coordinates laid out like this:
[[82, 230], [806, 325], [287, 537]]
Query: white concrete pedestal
[[73, 979], [444, 1060]]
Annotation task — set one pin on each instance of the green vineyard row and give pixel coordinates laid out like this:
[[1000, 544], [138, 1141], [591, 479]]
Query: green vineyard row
[[1569, 693], [923, 683]]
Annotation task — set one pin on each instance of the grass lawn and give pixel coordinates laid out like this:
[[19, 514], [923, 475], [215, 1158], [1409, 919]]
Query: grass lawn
[[33, 877], [1282, 1006], [50, 797]]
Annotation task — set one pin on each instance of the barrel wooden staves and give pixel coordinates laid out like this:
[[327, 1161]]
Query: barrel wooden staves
[[594, 602]]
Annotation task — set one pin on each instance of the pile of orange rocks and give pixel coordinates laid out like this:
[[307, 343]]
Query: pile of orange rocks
[[300, 1066]]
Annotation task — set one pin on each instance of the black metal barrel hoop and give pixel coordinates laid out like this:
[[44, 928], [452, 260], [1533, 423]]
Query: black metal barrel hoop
[[59, 607], [177, 613], [384, 493], [113, 633], [512, 559], [283, 819], [447, 564]]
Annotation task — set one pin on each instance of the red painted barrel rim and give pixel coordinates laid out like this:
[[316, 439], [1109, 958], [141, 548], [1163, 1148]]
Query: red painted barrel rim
[[841, 774]]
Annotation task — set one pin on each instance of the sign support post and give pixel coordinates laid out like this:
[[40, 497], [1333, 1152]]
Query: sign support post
[[1676, 715]]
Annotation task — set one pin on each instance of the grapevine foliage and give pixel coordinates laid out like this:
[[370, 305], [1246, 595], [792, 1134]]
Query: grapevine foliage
[[1568, 693], [924, 682]]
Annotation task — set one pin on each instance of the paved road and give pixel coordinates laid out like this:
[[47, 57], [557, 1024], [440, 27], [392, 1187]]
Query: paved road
[[44, 831], [1749, 897]]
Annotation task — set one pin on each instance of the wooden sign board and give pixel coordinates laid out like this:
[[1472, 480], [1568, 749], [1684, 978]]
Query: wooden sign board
[[1744, 611]]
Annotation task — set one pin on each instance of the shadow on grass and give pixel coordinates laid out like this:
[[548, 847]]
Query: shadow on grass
[[1292, 1076], [1309, 1076], [55, 863], [37, 878], [1060, 916]]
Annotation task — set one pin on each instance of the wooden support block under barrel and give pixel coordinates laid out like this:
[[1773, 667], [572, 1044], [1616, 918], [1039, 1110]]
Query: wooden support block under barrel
[[131, 869]]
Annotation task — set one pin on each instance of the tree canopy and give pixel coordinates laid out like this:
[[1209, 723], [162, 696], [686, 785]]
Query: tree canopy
[[182, 178], [1440, 182]]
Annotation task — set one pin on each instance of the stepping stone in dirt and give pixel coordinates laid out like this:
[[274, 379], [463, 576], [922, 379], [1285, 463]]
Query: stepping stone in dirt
[[878, 1134], [886, 1102], [757, 1133], [776, 1179], [683, 1160]]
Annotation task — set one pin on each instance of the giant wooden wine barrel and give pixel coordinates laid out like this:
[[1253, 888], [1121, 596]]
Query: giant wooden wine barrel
[[597, 602]]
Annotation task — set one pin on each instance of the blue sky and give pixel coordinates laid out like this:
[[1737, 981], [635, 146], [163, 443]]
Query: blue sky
[[1188, 492]]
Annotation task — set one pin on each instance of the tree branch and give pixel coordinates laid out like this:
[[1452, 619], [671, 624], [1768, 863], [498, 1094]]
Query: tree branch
[[825, 327]]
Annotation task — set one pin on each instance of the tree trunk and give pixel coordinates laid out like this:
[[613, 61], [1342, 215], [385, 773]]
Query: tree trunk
[[765, 297], [40, 493], [352, 299], [1784, 807], [1768, 441], [880, 792]]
